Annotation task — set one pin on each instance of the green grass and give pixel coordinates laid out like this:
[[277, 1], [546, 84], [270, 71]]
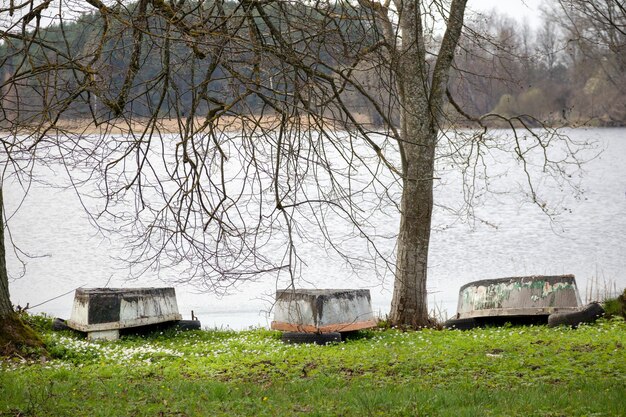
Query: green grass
[[514, 371]]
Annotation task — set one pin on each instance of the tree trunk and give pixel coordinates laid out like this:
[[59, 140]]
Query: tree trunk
[[421, 101], [409, 305], [5, 300], [15, 336]]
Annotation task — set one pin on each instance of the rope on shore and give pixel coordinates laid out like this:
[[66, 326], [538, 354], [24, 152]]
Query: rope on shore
[[52, 299]]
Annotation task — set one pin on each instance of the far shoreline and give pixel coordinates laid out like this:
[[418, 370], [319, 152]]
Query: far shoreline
[[228, 123]]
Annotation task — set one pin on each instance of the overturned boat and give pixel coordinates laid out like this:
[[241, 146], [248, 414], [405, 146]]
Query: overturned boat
[[103, 312], [321, 315], [520, 300]]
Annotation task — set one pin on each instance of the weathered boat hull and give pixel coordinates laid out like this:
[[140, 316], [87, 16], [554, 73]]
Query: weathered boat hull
[[102, 312], [323, 311], [536, 295]]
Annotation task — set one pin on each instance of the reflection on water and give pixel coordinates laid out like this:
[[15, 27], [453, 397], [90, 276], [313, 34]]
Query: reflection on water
[[588, 240]]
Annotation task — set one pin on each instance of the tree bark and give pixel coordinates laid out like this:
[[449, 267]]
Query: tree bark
[[421, 115], [5, 301], [409, 304], [15, 336]]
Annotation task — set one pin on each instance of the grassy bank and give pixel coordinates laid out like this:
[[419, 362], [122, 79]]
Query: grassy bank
[[524, 371]]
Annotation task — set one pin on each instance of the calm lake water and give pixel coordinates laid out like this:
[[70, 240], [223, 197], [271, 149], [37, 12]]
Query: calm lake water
[[588, 240]]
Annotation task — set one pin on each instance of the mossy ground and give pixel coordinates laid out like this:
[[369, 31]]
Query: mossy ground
[[18, 338], [506, 371]]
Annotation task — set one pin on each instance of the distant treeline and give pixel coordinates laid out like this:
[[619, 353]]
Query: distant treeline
[[570, 69], [562, 72]]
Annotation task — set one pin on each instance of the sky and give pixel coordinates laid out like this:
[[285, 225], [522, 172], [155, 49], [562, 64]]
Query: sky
[[518, 9]]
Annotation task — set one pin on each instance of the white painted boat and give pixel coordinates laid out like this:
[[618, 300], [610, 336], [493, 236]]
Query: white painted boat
[[102, 312], [323, 310]]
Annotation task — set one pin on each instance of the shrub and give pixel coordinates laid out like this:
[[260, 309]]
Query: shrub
[[614, 307]]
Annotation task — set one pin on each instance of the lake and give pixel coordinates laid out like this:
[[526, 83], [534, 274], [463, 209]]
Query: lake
[[511, 238]]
